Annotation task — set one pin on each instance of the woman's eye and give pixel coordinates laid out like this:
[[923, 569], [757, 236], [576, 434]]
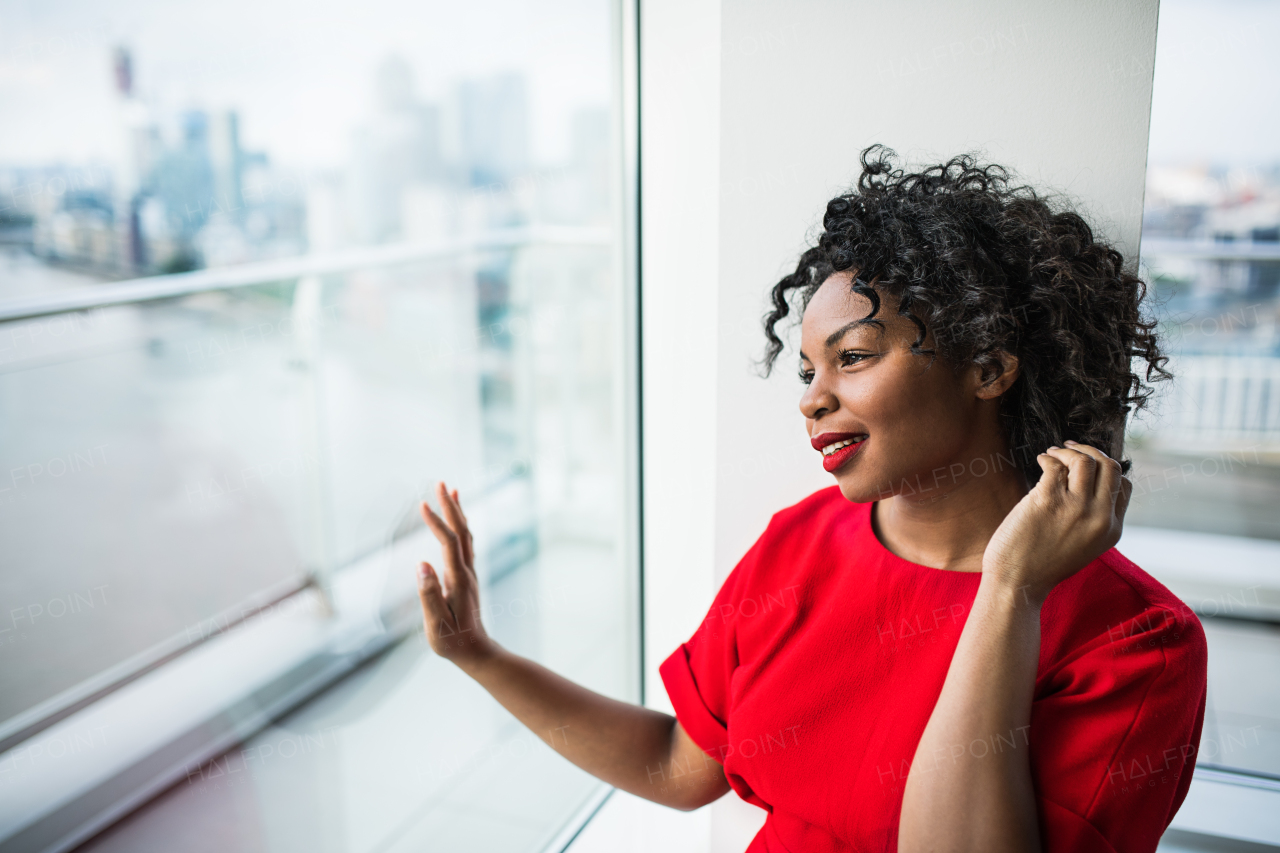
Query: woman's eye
[[848, 357]]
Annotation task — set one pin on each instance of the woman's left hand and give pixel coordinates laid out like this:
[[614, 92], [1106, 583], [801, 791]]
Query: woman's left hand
[[1072, 515]]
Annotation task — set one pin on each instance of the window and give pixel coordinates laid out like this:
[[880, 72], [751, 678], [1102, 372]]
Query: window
[[1207, 455], [267, 277]]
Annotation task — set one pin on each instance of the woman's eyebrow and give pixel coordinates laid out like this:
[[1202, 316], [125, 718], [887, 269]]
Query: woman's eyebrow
[[848, 327]]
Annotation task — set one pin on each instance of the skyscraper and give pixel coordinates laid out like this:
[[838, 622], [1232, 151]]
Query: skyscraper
[[397, 147], [493, 128], [227, 160]]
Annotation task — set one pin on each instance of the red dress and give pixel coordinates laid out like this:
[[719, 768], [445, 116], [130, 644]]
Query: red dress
[[815, 671]]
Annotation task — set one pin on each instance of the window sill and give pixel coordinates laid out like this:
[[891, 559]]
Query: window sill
[[1231, 805], [1215, 575]]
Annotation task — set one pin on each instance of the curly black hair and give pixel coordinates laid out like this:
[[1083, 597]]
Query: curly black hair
[[981, 266]]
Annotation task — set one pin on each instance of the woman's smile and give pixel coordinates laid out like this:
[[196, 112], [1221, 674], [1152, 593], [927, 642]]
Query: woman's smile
[[837, 448]]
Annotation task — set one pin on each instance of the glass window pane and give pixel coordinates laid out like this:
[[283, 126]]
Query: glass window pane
[[155, 484], [1207, 453], [400, 227]]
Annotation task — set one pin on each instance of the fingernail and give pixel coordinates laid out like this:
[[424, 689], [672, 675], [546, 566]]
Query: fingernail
[[1069, 442], [1054, 447], [423, 568]]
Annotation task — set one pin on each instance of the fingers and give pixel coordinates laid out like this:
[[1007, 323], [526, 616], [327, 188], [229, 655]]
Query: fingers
[[1082, 469], [451, 544], [1055, 474], [1107, 479], [1098, 479], [452, 510], [438, 618]]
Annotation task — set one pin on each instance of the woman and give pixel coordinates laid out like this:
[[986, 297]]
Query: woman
[[943, 651]]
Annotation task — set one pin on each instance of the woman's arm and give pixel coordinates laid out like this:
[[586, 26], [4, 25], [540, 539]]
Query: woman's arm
[[628, 746], [968, 788]]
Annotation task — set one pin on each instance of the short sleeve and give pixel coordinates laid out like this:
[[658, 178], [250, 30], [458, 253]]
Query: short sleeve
[[697, 674], [1114, 734]]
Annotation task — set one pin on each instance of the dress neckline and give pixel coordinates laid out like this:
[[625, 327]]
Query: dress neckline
[[872, 541]]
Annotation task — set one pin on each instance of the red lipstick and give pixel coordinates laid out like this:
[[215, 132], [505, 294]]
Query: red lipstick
[[833, 461]]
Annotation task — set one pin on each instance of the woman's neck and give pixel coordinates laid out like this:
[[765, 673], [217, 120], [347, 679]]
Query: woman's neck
[[948, 525]]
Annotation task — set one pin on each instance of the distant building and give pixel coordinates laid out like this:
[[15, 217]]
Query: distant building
[[184, 192], [398, 147], [1254, 221], [1211, 243], [227, 161], [491, 128], [79, 229], [183, 177]]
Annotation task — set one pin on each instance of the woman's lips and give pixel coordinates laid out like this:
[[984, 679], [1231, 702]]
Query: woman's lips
[[852, 441], [841, 456]]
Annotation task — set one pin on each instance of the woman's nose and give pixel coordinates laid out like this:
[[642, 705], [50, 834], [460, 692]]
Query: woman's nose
[[817, 399]]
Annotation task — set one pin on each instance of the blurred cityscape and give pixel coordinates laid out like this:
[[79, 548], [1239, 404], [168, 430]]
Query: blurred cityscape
[[1207, 452], [252, 449], [186, 194], [1237, 210]]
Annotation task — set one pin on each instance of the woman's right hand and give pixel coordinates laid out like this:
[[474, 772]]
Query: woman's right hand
[[451, 604], [612, 740]]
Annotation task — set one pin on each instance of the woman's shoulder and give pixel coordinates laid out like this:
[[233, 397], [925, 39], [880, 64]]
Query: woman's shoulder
[[1114, 604]]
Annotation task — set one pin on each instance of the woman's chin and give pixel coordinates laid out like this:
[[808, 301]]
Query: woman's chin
[[859, 489]]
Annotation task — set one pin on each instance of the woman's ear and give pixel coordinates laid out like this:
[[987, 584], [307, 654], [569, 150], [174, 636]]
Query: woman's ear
[[996, 375]]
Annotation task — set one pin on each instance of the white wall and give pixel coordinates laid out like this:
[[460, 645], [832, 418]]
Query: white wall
[[680, 199], [752, 117], [1061, 92]]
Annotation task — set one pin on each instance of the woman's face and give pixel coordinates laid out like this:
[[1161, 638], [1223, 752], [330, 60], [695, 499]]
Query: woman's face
[[903, 423]]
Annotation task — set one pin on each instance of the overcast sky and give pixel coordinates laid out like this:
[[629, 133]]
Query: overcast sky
[[1217, 83], [300, 72]]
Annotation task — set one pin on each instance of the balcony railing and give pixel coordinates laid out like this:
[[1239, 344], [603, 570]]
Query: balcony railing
[[367, 351], [1220, 401]]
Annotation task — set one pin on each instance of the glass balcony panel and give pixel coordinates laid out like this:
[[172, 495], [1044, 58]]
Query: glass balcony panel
[[155, 484]]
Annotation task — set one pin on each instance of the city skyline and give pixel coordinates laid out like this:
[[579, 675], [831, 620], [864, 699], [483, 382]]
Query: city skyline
[[184, 191], [281, 74]]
